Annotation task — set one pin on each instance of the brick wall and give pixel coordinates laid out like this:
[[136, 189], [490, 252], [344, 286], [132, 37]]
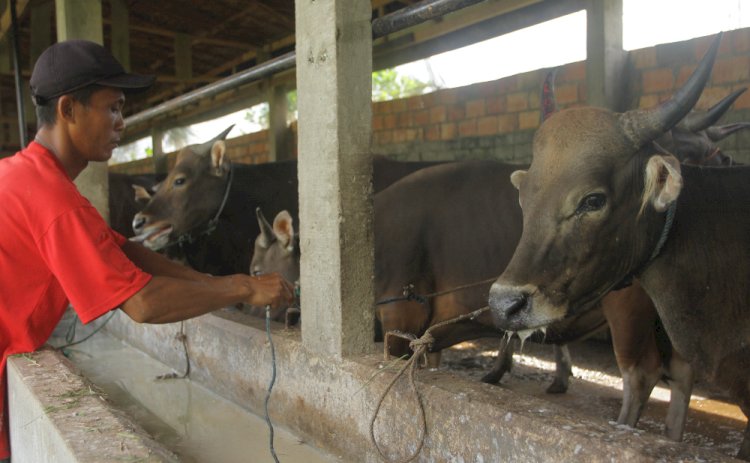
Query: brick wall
[[497, 119]]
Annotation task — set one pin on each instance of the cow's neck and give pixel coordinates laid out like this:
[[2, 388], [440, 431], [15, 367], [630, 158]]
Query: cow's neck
[[699, 281]]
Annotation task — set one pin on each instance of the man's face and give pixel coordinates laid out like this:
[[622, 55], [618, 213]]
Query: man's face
[[98, 124]]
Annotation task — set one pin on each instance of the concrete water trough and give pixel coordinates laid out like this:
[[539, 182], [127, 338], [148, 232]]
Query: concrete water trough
[[325, 403]]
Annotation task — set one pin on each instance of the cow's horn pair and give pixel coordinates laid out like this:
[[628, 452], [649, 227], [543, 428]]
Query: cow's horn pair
[[205, 147], [644, 125], [697, 121]]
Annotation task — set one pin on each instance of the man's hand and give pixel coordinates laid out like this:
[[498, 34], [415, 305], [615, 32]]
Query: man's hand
[[270, 289]]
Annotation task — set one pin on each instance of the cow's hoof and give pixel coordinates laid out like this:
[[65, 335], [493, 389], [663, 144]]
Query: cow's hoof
[[493, 377], [557, 387]]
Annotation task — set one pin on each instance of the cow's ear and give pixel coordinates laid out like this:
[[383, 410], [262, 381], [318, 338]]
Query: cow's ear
[[218, 150], [141, 194], [283, 228], [663, 182], [266, 236], [516, 178]]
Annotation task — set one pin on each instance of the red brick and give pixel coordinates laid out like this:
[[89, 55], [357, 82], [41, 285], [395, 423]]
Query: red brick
[[398, 106], [415, 103], [432, 133], [743, 102], [414, 134], [377, 122], [573, 72], [384, 137], [507, 123], [528, 120], [566, 93], [467, 128], [658, 80], [404, 120], [648, 101], [389, 121], [495, 105], [399, 135], [486, 89], [447, 96], [422, 118], [447, 131], [379, 107], [487, 125], [644, 58], [475, 108], [730, 70], [506, 85], [740, 40], [456, 112], [437, 114], [517, 102]]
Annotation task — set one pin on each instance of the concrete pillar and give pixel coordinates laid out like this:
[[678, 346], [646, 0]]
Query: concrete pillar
[[183, 56], [277, 128], [120, 32], [41, 38], [82, 19], [605, 58], [334, 62], [161, 164]]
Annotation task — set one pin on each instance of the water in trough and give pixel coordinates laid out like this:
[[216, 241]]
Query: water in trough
[[195, 423]]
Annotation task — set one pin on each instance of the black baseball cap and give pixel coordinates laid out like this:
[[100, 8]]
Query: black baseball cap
[[74, 64]]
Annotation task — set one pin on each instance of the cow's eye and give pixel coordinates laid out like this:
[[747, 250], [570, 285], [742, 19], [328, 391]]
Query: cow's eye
[[592, 202], [179, 181]]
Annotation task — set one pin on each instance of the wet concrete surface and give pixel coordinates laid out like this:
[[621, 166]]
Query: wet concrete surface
[[596, 389], [195, 423]]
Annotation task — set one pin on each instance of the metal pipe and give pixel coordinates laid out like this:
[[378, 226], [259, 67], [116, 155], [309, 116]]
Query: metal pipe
[[416, 14], [17, 71], [401, 19]]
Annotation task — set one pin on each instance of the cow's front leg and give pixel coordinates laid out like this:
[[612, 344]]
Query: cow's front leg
[[681, 379], [503, 361], [563, 370]]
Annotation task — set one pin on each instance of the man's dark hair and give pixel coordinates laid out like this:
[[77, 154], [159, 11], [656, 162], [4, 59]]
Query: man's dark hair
[[46, 114]]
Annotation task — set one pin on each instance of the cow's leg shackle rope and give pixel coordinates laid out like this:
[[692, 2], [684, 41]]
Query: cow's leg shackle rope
[[419, 347]]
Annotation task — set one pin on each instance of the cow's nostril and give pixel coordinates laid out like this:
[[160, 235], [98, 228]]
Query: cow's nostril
[[507, 302], [138, 222]]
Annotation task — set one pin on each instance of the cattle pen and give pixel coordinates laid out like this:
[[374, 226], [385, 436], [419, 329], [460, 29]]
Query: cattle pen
[[329, 373]]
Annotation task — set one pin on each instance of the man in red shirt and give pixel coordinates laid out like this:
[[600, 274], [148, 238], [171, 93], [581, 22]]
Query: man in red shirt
[[56, 249]]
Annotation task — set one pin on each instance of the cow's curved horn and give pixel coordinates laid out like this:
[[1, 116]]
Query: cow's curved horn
[[547, 100], [697, 121], [205, 147], [644, 125], [266, 230], [720, 132]]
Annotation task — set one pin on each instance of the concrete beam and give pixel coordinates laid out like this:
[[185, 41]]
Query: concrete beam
[[82, 19], [605, 58], [334, 62]]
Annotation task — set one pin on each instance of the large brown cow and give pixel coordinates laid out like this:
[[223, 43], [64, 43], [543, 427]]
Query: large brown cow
[[202, 205], [430, 231], [602, 203]]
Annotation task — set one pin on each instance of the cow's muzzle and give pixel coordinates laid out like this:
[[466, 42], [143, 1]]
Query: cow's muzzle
[[510, 307]]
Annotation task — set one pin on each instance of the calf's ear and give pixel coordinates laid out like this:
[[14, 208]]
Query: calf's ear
[[663, 182], [218, 150], [141, 194], [283, 228]]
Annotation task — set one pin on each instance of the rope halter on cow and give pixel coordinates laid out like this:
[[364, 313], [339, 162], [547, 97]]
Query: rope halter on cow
[[669, 219], [198, 231]]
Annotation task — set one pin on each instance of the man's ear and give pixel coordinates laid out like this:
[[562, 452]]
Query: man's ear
[[65, 105], [663, 182]]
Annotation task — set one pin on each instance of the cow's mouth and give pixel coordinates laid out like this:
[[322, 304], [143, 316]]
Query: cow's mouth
[[154, 237]]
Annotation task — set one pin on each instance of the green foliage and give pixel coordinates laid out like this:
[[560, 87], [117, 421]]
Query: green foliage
[[388, 84]]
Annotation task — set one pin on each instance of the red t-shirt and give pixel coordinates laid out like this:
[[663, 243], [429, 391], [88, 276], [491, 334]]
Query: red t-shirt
[[55, 249]]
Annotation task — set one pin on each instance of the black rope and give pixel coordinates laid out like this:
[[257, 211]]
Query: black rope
[[410, 295], [270, 386], [69, 340], [182, 337]]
